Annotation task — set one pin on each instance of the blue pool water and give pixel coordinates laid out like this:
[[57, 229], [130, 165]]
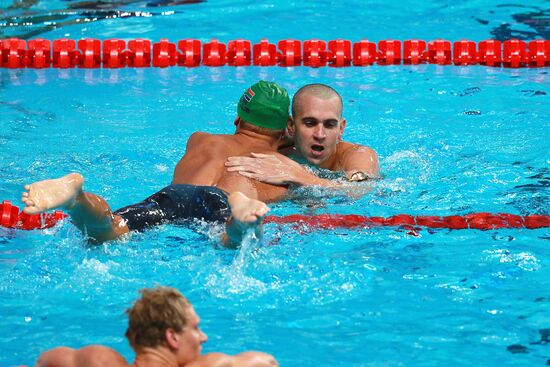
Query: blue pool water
[[451, 141]]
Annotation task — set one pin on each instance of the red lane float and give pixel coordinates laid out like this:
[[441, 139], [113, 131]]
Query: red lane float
[[39, 53], [116, 53], [265, 53], [339, 53], [413, 51], [439, 52], [483, 221], [64, 53], [138, 54], [364, 53], [11, 217], [113, 53]]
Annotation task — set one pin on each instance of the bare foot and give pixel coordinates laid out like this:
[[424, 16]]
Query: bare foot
[[246, 211], [50, 194]]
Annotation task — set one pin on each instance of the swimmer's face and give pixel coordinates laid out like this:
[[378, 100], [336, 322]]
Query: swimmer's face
[[190, 339], [317, 128]]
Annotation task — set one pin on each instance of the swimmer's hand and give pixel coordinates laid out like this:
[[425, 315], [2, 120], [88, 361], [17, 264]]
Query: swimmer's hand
[[276, 170], [357, 176]]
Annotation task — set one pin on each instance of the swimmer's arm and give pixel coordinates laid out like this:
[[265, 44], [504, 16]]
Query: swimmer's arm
[[276, 170], [360, 163], [246, 359], [90, 356]]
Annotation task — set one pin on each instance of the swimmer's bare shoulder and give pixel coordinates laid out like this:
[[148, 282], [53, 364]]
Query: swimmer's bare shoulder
[[246, 359], [199, 138], [90, 356], [202, 163], [359, 162], [206, 142]]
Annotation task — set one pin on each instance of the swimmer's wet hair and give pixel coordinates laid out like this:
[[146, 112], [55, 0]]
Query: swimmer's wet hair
[[322, 91], [158, 309]]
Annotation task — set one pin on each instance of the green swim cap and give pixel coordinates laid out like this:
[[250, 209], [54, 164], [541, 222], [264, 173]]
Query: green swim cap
[[265, 104]]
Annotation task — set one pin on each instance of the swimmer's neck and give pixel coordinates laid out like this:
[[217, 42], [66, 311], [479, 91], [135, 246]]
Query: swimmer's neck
[[296, 156], [271, 140], [148, 356]]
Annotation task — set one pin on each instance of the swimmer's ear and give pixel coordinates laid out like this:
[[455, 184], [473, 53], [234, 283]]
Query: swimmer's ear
[[237, 120], [172, 338], [290, 127], [342, 128]]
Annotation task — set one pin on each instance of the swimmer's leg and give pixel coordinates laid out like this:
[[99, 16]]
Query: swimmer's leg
[[246, 213], [90, 213]]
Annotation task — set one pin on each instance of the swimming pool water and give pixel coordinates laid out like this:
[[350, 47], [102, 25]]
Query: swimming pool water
[[451, 141]]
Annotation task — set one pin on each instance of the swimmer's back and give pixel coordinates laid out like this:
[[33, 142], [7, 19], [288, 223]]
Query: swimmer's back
[[204, 165]]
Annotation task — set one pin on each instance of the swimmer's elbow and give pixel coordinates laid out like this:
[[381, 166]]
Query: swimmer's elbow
[[362, 160]]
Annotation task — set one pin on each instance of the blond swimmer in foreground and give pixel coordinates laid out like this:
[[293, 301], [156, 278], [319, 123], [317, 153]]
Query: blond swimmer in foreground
[[163, 330]]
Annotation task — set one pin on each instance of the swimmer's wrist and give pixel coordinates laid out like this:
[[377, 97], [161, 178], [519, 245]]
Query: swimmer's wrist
[[358, 176], [305, 178]]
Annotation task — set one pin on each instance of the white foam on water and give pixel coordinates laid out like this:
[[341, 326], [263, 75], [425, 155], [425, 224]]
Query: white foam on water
[[233, 279]]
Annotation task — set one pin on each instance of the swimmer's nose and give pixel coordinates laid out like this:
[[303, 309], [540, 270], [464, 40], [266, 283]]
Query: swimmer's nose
[[204, 337], [319, 132]]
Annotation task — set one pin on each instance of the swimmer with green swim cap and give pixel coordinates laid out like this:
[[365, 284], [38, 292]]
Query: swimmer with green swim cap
[[265, 104], [201, 188]]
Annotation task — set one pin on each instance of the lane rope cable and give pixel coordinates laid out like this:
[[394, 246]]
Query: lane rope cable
[[11, 217], [138, 53]]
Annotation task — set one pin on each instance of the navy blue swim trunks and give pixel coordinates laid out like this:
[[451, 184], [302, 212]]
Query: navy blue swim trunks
[[176, 203]]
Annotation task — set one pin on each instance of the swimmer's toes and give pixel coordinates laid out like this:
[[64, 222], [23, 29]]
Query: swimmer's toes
[[31, 210], [252, 218], [262, 211]]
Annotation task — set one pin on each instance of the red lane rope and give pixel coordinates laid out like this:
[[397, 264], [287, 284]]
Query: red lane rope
[[482, 221], [11, 217], [117, 53]]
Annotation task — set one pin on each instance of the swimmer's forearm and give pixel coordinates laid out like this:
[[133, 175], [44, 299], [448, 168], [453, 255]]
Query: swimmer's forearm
[[307, 178]]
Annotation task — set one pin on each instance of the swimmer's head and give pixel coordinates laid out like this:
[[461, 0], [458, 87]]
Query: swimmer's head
[[265, 104], [160, 314], [321, 91]]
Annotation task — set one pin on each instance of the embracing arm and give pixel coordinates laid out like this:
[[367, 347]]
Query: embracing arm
[[360, 163], [275, 170]]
